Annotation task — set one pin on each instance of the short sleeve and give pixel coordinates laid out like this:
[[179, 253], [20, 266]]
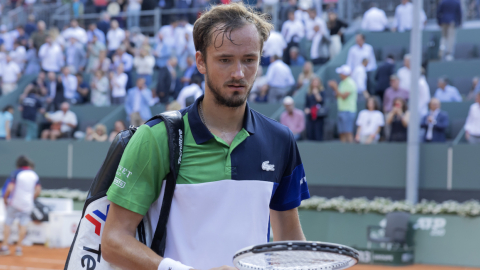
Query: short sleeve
[[292, 189], [360, 119], [143, 167], [381, 119], [9, 117]]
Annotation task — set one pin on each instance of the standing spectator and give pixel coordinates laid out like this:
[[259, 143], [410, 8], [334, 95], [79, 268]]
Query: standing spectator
[[435, 123], [63, 123], [359, 75], [94, 31], [70, 84], [292, 31], [10, 75], [94, 48], [190, 71], [393, 92], [102, 63], [30, 105], [33, 63], [30, 26], [369, 123], [138, 102], [76, 32], [6, 121], [382, 77], [100, 89], [374, 19], [118, 126], [55, 91], [397, 120], [39, 84], [19, 54], [360, 51], [259, 88], [189, 94], [312, 21], [167, 82], [115, 37], [39, 37], [449, 16], [51, 56], [23, 189], [6, 37], [280, 79], [403, 17], [472, 125], [306, 75], [446, 92], [285, 9], [104, 23], [83, 90], [336, 27], [293, 118], [144, 63], [346, 93], [118, 82], [319, 52], [295, 58], [315, 110], [274, 45], [76, 56], [98, 135], [404, 74], [122, 57], [133, 10]]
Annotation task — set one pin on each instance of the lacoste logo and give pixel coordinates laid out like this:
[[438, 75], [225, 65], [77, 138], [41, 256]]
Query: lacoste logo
[[119, 182], [268, 167]]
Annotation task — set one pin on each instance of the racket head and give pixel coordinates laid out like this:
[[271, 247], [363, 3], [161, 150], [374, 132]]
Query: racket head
[[296, 255]]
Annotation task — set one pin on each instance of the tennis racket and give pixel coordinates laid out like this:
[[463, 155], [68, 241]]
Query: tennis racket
[[295, 255]]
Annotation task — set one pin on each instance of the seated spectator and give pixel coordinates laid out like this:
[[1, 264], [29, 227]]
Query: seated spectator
[[295, 58], [292, 31], [11, 73], [472, 125], [315, 110], [33, 62], [167, 82], [320, 52], [435, 123], [93, 31], [102, 63], [173, 106], [138, 102], [369, 123], [100, 89], [83, 90], [262, 94], [280, 79], [115, 37], [359, 75], [398, 119], [382, 77], [306, 75], [19, 54], [446, 92], [118, 82], [51, 56], [191, 69], [97, 135], [189, 94], [70, 85], [293, 118], [404, 73], [312, 21], [122, 57], [374, 19], [30, 26], [40, 84], [39, 37], [30, 106], [274, 45], [118, 126], [76, 32], [403, 20], [144, 64], [423, 94], [393, 92], [360, 51], [104, 23], [76, 56], [63, 123], [472, 95], [259, 83], [6, 121]]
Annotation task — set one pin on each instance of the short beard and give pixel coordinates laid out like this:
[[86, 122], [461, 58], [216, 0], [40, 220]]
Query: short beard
[[232, 102]]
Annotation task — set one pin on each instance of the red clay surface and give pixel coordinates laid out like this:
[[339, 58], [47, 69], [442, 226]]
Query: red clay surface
[[43, 258]]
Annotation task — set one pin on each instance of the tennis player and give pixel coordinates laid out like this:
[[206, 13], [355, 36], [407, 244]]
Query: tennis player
[[240, 170]]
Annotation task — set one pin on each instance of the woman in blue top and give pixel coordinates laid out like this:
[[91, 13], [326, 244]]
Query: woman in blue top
[[6, 119]]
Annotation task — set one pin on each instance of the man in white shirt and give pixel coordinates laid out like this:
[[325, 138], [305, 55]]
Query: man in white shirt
[[118, 80], [312, 21], [76, 32], [63, 122], [22, 189], [472, 125], [51, 56], [274, 45], [10, 74], [115, 37], [8, 37], [360, 51], [446, 92], [19, 54], [403, 17], [404, 74], [292, 30], [423, 94], [69, 83], [189, 94], [359, 75], [280, 79], [374, 19]]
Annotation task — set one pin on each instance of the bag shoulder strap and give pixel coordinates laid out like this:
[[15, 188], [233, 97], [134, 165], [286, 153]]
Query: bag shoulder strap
[[175, 130]]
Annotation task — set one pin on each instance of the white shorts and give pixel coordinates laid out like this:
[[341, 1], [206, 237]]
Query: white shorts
[[12, 213]]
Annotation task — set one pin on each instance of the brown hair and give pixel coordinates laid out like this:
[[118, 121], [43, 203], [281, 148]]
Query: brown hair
[[320, 86], [404, 103], [223, 19]]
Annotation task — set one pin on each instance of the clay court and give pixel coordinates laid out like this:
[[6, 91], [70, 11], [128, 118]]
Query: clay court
[[43, 258]]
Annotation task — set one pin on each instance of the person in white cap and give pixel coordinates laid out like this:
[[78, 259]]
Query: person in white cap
[[292, 117], [346, 93]]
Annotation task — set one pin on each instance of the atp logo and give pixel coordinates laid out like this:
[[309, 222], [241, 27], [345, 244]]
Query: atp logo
[[95, 222]]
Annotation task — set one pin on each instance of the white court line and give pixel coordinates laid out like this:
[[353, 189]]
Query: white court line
[[40, 260], [22, 268]]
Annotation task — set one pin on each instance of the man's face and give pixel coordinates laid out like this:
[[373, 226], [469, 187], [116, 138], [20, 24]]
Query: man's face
[[92, 27], [291, 16], [434, 104], [312, 14], [404, 2], [65, 71], [51, 76], [74, 24], [406, 62], [293, 54], [359, 40], [288, 107], [64, 107], [230, 68], [140, 83], [394, 83], [343, 77], [441, 84]]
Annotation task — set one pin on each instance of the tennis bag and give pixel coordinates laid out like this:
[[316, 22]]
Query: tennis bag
[[86, 249]]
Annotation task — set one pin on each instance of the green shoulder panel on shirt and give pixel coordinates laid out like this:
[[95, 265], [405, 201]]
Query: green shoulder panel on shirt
[[144, 165]]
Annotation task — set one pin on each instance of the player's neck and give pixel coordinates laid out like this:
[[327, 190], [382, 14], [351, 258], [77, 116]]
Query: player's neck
[[222, 118]]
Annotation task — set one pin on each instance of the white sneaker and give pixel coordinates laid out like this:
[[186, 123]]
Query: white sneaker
[[4, 251], [18, 251]]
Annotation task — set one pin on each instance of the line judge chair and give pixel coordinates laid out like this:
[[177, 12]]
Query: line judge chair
[[395, 231]]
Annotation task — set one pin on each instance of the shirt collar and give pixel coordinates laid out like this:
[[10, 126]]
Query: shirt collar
[[200, 132]]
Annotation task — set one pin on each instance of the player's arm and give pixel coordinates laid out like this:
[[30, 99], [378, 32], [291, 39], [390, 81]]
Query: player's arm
[[9, 190], [119, 246], [286, 225], [38, 189]]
